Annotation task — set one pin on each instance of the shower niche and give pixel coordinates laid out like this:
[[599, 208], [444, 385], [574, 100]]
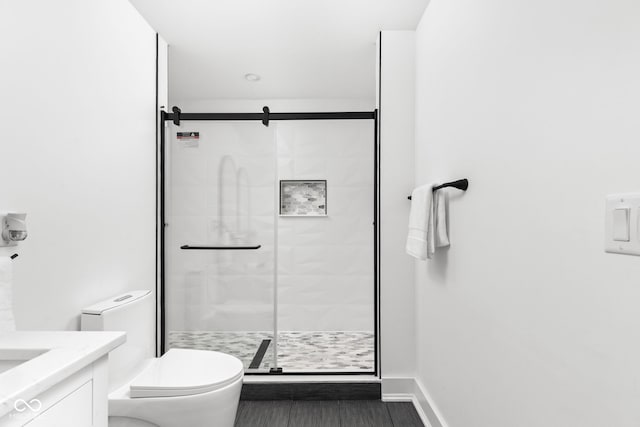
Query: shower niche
[[303, 197]]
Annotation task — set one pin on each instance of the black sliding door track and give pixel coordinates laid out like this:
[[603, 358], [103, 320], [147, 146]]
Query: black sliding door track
[[358, 115]]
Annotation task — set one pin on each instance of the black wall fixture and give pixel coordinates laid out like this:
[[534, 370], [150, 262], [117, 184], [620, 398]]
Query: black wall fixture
[[176, 115], [461, 184]]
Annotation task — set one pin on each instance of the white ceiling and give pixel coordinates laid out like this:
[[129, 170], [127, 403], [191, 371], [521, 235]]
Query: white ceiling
[[300, 48]]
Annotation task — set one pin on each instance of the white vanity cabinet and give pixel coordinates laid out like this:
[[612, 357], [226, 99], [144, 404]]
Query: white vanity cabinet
[[72, 393], [78, 401]]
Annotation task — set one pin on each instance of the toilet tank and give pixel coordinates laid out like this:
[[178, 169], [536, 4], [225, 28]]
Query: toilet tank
[[133, 313]]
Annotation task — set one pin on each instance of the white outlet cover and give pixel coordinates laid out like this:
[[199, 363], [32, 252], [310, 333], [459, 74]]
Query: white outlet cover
[[629, 201]]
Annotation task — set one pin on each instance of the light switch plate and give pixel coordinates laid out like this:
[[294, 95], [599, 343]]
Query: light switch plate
[[620, 224], [619, 209]]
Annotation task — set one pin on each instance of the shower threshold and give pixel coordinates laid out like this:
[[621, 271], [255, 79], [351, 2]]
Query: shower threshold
[[298, 351]]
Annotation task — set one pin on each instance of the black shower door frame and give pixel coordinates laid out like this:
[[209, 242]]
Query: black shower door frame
[[177, 116]]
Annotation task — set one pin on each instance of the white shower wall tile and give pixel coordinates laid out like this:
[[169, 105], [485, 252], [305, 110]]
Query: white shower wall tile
[[184, 261], [212, 207], [242, 263], [311, 260], [259, 169], [333, 317], [350, 201], [174, 314], [309, 168], [263, 201], [309, 229], [189, 199], [213, 163], [189, 166], [188, 226], [351, 172], [312, 253], [229, 289], [286, 260], [240, 316], [263, 222], [187, 229], [258, 144], [357, 141], [309, 144], [264, 238], [310, 290], [325, 264], [292, 233], [285, 168], [349, 230], [303, 289], [353, 288], [285, 137], [349, 260], [332, 147], [286, 234]]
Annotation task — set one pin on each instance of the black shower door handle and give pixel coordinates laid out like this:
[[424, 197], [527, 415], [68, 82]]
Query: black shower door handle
[[221, 248]]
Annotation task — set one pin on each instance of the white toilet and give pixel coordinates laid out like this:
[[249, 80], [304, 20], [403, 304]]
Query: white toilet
[[181, 388]]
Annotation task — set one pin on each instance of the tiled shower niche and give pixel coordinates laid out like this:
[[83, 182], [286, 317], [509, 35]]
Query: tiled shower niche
[[303, 198]]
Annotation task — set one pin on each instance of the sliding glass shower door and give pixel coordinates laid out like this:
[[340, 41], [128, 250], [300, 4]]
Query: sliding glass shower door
[[220, 239], [269, 241]]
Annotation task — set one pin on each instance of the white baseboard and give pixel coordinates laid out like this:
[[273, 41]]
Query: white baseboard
[[412, 390], [398, 386]]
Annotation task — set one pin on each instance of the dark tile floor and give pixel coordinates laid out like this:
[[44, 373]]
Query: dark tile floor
[[326, 413]]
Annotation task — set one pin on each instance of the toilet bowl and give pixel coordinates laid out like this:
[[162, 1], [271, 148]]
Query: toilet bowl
[[181, 388]]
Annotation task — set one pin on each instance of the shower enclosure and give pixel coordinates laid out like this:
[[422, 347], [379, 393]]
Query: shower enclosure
[[269, 239]]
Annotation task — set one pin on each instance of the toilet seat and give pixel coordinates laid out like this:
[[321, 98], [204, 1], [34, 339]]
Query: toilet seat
[[185, 372]]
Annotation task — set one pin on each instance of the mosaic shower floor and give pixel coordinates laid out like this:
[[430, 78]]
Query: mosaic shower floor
[[309, 351]]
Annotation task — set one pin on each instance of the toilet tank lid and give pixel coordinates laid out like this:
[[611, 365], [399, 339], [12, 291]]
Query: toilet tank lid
[[114, 302]]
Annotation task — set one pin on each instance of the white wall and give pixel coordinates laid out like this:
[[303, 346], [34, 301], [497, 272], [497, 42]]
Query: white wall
[[275, 105], [396, 107], [77, 120], [525, 321], [325, 265]]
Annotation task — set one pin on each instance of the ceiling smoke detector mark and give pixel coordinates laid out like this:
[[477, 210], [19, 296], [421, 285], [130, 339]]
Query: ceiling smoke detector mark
[[250, 77]]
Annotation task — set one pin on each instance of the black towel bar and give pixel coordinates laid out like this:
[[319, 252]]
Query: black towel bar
[[461, 184]]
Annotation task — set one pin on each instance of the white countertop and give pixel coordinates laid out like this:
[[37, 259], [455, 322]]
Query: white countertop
[[57, 354]]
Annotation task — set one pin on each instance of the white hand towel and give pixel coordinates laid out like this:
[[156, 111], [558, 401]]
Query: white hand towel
[[427, 222], [440, 221], [7, 323], [417, 243]]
